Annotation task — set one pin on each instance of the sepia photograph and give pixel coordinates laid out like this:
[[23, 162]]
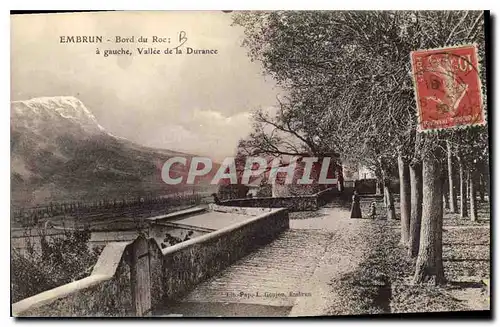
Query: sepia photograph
[[284, 163]]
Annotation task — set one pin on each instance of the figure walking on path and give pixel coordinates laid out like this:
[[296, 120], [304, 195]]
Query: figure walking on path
[[216, 198], [355, 209], [373, 210]]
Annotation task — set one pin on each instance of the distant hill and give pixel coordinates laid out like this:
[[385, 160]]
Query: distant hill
[[59, 152]]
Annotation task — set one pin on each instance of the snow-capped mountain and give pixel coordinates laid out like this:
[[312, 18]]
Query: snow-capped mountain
[[51, 115], [59, 152]]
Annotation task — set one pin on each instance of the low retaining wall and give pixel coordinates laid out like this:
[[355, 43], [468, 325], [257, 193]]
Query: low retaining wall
[[327, 195], [118, 286], [106, 292], [369, 186], [186, 264], [177, 214], [295, 203], [292, 203], [250, 211]]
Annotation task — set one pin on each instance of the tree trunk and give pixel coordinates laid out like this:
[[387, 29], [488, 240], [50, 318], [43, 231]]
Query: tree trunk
[[481, 173], [379, 189], [404, 194], [481, 186], [416, 208], [451, 184], [391, 211], [430, 261], [487, 177], [463, 189], [388, 198], [467, 183], [472, 194], [446, 195]]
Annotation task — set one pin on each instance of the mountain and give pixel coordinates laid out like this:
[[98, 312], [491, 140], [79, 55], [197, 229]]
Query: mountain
[[59, 152]]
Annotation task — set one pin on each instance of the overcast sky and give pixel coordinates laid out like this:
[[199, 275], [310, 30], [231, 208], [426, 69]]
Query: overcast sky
[[197, 104]]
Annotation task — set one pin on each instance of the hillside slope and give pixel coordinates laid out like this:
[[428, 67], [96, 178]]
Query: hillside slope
[[59, 152]]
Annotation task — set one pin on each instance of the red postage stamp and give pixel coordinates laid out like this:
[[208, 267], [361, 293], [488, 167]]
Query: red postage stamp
[[447, 88]]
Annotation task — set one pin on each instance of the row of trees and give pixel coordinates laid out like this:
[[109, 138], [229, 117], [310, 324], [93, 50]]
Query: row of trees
[[347, 77]]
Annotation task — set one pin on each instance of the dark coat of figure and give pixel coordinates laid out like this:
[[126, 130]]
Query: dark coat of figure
[[355, 209], [216, 199], [373, 210]]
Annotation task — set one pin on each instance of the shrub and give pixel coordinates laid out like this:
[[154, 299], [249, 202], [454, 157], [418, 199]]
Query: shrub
[[61, 260]]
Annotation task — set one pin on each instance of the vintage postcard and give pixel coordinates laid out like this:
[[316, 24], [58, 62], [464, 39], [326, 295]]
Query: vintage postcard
[[250, 164]]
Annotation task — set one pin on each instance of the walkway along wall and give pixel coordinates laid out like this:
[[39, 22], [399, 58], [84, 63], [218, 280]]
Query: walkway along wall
[[132, 278]]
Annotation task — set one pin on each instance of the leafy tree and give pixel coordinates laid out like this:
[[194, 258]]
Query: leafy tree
[[348, 78]]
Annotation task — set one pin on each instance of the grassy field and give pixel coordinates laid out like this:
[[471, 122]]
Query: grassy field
[[383, 282]]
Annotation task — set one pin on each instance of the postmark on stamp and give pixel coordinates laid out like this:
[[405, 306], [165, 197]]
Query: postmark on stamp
[[447, 88]]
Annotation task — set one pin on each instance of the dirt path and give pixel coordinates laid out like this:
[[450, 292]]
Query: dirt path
[[351, 244], [297, 268]]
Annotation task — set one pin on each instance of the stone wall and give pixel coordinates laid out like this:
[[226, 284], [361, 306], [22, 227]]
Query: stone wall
[[369, 186], [173, 271], [366, 186], [110, 298], [250, 211], [292, 203], [289, 190], [187, 264], [106, 292], [327, 195]]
